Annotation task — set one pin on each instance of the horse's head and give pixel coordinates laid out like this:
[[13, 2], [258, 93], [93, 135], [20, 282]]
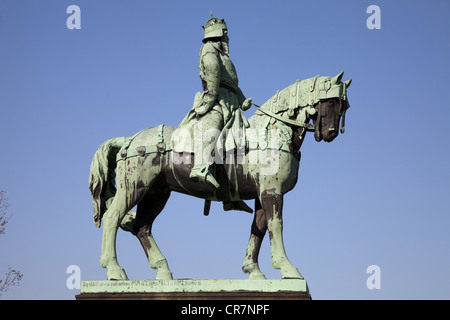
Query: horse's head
[[332, 105]]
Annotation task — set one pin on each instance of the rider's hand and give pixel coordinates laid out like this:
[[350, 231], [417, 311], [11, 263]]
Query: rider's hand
[[246, 104]]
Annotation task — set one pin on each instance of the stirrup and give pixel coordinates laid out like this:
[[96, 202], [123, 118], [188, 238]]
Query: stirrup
[[203, 175]]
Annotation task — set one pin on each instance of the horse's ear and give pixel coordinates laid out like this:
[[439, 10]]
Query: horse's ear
[[338, 78], [347, 83]]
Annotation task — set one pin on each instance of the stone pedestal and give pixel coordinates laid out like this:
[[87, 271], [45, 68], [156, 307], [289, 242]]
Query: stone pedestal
[[285, 289]]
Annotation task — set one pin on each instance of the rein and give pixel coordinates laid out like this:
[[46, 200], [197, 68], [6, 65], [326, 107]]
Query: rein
[[307, 126]]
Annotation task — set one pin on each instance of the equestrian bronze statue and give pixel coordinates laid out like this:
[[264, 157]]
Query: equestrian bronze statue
[[215, 154]]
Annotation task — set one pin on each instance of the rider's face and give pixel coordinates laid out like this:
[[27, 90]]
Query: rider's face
[[225, 36], [224, 42]]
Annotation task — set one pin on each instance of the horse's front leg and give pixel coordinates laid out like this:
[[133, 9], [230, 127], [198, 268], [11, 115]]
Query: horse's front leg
[[272, 204], [259, 227]]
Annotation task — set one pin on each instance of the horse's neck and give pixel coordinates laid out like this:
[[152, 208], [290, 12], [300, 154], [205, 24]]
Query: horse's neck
[[291, 103], [284, 103], [286, 133], [266, 128], [301, 93], [286, 100]]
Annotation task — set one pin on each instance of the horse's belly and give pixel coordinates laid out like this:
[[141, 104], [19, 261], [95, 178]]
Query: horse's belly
[[240, 181]]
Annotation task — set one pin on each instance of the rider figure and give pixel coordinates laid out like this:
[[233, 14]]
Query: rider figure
[[221, 97]]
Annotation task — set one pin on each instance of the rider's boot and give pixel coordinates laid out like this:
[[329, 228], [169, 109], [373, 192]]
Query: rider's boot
[[201, 173]]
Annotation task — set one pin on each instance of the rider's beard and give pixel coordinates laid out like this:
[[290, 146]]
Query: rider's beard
[[225, 48]]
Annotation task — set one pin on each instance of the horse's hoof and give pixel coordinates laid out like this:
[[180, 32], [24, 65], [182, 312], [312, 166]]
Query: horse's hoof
[[164, 275], [253, 272], [256, 276], [291, 273], [163, 271], [117, 274]]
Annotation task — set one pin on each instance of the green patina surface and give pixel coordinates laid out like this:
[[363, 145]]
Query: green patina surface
[[188, 285], [256, 158]]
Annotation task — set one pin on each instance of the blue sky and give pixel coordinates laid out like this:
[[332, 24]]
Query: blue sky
[[377, 195]]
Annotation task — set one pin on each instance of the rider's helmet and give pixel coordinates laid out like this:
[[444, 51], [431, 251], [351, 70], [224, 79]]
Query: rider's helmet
[[214, 28]]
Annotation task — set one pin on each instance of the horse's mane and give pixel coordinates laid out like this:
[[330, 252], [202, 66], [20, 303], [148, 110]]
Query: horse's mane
[[298, 94], [304, 93]]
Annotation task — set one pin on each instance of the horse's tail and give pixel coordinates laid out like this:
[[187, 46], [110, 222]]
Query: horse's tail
[[102, 176]]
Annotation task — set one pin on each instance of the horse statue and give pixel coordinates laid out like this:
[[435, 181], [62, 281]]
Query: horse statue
[[144, 169]]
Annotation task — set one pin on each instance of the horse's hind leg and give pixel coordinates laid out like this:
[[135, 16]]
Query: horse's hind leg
[[147, 210], [111, 219], [134, 179], [259, 227]]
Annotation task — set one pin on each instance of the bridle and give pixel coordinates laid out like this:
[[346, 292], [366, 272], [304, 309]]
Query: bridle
[[308, 126]]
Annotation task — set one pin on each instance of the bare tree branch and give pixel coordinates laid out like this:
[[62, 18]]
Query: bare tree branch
[[3, 207], [12, 276]]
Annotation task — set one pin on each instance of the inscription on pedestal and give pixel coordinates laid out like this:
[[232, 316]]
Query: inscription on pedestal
[[195, 289]]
